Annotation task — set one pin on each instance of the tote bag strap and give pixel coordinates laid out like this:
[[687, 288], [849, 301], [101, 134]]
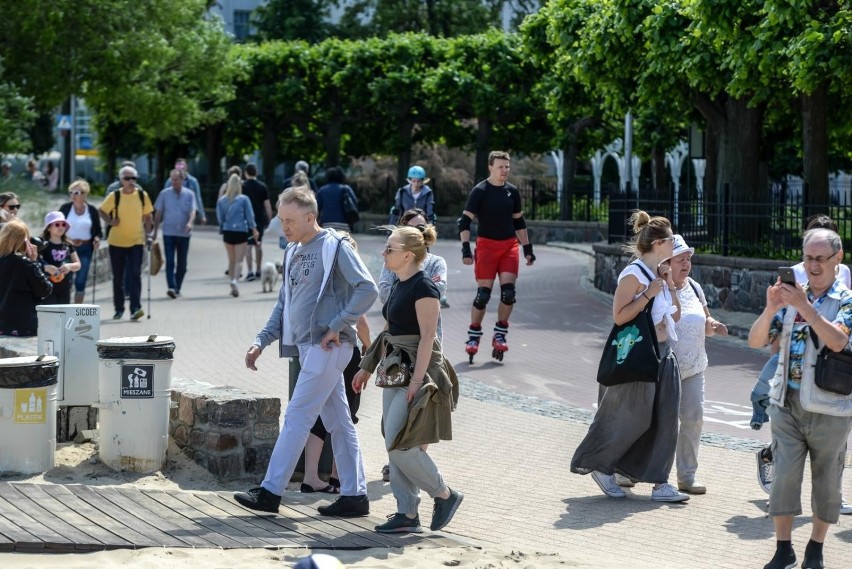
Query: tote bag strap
[[650, 278]]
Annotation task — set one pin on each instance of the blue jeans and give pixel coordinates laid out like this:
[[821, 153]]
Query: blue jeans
[[174, 275], [127, 259], [85, 253]]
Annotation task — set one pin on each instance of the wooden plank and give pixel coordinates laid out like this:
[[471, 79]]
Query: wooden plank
[[19, 514], [226, 536], [178, 527], [266, 539], [99, 535], [143, 525], [339, 538], [90, 520], [49, 512], [15, 534], [365, 532], [99, 511], [270, 522]]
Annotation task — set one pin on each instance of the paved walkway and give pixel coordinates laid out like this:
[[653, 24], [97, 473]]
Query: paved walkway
[[517, 425]]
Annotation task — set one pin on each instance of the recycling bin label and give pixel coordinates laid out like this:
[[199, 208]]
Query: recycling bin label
[[137, 381], [31, 405]]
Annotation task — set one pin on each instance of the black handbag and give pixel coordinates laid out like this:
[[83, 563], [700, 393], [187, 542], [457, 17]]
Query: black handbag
[[833, 370], [631, 352]]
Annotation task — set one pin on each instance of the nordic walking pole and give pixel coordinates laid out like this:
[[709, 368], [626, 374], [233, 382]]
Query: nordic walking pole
[[150, 241], [94, 275]]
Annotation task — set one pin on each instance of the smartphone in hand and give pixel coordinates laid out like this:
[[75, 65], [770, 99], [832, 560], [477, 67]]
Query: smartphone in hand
[[788, 276]]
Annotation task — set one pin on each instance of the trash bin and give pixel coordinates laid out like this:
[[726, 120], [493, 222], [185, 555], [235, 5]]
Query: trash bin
[[28, 413], [134, 391]]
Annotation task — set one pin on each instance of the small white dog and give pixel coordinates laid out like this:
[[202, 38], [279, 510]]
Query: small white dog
[[269, 275]]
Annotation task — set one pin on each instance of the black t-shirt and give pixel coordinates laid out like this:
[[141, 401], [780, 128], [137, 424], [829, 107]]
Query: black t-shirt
[[57, 254], [399, 309], [493, 207], [257, 193]]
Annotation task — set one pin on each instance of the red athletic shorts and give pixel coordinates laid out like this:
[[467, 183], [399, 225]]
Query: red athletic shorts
[[493, 257]]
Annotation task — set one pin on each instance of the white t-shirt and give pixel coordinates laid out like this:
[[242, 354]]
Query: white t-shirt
[[689, 348], [843, 274], [81, 225], [662, 307]]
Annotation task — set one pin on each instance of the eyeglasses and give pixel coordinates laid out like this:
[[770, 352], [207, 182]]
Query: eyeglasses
[[59, 224], [13, 207], [128, 178], [75, 193], [666, 238], [387, 250], [820, 260]]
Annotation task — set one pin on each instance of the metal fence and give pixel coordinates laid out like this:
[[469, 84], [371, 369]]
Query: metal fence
[[770, 229]]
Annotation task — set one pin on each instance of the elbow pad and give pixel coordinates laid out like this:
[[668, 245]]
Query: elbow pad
[[519, 223], [464, 223]]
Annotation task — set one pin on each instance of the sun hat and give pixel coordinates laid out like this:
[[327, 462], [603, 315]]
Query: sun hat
[[679, 246], [416, 172], [53, 217]]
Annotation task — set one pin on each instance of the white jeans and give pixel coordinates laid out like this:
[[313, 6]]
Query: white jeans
[[319, 392], [691, 422]]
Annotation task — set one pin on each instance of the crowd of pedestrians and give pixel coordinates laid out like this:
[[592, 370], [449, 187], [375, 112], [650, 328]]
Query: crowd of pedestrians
[[642, 428]]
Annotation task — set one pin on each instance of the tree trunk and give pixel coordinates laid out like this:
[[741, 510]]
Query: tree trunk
[[569, 169], [483, 141], [404, 153], [159, 176], [331, 142], [658, 171], [213, 145], [815, 146], [269, 150]]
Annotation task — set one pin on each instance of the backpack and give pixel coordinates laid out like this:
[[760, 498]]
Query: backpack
[[114, 214], [350, 206]]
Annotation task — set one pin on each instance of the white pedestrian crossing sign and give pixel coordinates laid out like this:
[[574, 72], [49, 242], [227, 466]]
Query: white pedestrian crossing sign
[[63, 122]]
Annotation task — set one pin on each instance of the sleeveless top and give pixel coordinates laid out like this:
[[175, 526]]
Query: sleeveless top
[[690, 349]]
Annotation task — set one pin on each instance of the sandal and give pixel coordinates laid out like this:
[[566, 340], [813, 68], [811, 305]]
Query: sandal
[[308, 489], [334, 481]]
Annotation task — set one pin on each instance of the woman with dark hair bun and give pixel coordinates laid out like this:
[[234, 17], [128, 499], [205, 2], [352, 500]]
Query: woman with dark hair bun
[[635, 429]]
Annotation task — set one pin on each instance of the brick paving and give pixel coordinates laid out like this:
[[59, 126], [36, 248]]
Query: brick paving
[[511, 463]]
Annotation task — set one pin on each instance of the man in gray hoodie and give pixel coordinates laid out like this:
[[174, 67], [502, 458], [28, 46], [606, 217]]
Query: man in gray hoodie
[[326, 288]]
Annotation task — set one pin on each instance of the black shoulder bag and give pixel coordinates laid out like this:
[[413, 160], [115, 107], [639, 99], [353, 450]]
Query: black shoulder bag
[[833, 370], [631, 352]]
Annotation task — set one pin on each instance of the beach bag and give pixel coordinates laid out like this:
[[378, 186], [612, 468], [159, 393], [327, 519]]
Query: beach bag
[[350, 206], [833, 370], [631, 352], [156, 258]]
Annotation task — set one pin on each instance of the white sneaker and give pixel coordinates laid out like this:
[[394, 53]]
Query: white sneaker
[[845, 507], [606, 482], [234, 290], [667, 493]]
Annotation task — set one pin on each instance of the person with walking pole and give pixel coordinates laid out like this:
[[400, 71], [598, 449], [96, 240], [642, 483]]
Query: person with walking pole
[[85, 234]]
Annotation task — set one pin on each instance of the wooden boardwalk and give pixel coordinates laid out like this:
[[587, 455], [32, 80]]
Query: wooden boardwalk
[[66, 518]]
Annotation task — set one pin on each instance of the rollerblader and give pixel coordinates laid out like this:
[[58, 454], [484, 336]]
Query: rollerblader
[[496, 204]]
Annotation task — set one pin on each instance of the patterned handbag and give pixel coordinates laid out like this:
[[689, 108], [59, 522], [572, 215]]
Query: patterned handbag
[[401, 378]]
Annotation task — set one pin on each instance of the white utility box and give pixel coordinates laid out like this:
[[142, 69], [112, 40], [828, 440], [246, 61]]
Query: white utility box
[[70, 332]]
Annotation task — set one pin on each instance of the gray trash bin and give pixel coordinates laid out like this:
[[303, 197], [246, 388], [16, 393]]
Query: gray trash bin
[[28, 413], [134, 391]]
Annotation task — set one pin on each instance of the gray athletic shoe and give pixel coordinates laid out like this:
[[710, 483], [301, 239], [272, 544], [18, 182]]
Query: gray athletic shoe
[[445, 509]]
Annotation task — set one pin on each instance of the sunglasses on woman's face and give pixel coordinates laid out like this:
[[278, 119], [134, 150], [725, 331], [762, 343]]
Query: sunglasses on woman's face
[[13, 207], [61, 224], [75, 193]]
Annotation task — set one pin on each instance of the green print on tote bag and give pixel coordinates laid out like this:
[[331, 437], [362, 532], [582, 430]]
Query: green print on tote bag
[[631, 352]]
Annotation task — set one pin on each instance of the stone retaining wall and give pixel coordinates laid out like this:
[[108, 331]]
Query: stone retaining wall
[[226, 430], [731, 283]]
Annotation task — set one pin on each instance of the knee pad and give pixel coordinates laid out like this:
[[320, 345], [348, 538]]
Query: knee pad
[[507, 293], [483, 295]]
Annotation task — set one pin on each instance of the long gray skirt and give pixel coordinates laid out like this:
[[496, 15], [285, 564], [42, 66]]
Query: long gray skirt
[[634, 432]]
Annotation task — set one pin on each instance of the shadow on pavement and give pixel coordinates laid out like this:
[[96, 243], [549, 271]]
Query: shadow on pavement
[[595, 511], [760, 526]]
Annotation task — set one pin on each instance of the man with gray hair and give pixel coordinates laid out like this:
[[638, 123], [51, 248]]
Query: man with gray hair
[[128, 213], [326, 289], [175, 210], [301, 166], [807, 417]]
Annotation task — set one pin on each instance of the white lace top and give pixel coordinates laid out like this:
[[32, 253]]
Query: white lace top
[[662, 308], [689, 349]]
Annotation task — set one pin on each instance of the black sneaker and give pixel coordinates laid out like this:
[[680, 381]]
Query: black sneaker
[[813, 556], [347, 507], [118, 316], [445, 509], [250, 277], [259, 499], [400, 523], [782, 560]]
